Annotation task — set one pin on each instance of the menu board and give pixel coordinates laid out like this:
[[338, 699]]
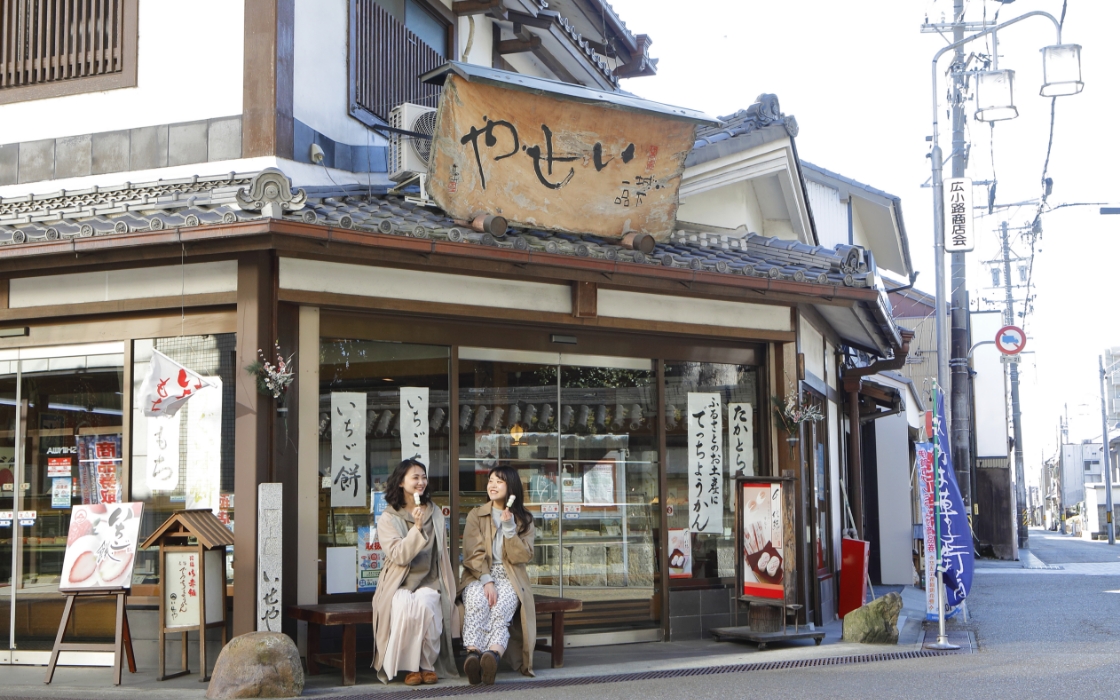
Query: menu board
[[763, 534], [182, 583], [101, 546]]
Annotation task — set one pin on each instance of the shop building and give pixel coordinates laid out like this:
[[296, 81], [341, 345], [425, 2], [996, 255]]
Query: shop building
[[570, 356]]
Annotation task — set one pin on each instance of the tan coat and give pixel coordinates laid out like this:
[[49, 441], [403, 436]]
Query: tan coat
[[400, 543], [478, 545]]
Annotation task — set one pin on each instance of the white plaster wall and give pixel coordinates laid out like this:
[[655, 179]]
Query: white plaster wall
[[389, 283], [482, 47], [812, 344], [321, 91], [859, 231], [829, 354], [617, 303], [829, 213], [190, 67], [116, 285], [729, 206], [895, 532]]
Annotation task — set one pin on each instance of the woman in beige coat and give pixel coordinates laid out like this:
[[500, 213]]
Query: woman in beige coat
[[497, 544], [414, 616]]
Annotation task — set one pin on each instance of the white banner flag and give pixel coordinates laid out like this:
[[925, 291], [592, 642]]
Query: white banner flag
[[705, 463], [204, 448], [163, 452], [740, 439], [414, 424], [168, 386], [348, 449]]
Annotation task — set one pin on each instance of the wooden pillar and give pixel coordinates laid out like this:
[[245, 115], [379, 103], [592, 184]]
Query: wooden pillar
[[267, 121], [855, 456], [251, 429]]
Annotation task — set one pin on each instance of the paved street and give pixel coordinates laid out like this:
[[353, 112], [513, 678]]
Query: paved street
[[1041, 633]]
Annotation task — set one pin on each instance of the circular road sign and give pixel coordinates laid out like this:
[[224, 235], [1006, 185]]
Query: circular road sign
[[1011, 340]]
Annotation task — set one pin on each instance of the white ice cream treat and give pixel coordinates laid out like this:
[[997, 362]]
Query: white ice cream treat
[[416, 497], [510, 500], [763, 560], [772, 566]]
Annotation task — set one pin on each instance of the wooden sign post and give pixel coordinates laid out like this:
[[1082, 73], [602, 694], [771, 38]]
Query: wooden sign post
[[192, 590], [100, 553]]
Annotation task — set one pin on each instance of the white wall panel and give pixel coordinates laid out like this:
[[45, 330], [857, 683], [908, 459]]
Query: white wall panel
[[990, 396], [391, 283], [892, 450], [117, 285], [656, 307]]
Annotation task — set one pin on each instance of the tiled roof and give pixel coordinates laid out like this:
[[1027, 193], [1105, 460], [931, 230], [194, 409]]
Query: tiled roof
[[167, 204], [764, 112]]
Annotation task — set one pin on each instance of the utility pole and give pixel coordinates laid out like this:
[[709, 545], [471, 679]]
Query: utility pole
[[1105, 454], [1016, 414], [960, 401]]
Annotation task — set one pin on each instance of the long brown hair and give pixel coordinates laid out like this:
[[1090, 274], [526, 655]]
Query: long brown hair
[[394, 492], [512, 481]]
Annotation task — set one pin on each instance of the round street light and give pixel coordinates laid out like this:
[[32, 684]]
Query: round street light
[[995, 99], [1061, 70]]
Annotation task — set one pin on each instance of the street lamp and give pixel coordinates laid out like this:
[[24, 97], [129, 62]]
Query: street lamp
[[995, 98], [1061, 70], [1059, 79]]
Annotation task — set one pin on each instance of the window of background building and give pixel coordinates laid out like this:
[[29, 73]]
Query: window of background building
[[713, 554], [379, 370], [393, 43], [64, 48], [185, 461]]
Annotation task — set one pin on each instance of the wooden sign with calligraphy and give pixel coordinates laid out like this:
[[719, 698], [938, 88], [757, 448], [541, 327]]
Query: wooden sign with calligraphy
[[551, 163]]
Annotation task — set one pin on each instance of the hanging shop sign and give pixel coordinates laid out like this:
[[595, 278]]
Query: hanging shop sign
[[551, 162], [960, 233], [705, 462], [348, 450], [101, 547], [414, 424], [740, 439]]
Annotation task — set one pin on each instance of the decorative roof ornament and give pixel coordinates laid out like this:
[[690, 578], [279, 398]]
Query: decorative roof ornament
[[271, 193]]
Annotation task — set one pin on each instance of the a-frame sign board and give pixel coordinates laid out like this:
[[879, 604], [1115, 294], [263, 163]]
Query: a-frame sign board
[[192, 582]]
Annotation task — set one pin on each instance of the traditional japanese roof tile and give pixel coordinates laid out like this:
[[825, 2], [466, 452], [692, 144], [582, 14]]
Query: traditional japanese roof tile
[[200, 523], [764, 112], [167, 204]]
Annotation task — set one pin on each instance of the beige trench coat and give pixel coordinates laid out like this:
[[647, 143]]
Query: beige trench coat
[[400, 543], [478, 545]]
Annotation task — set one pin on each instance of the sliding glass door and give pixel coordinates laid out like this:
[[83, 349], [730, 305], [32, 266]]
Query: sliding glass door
[[581, 431]]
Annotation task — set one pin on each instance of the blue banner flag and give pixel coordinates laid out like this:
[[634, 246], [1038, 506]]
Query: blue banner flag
[[954, 535]]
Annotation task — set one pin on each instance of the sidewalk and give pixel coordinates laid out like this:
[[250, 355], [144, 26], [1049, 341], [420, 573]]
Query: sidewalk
[[580, 662]]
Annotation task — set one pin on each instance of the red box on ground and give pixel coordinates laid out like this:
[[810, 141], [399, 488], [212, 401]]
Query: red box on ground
[[853, 574]]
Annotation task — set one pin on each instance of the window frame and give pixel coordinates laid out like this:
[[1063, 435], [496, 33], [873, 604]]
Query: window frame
[[124, 78], [436, 9]]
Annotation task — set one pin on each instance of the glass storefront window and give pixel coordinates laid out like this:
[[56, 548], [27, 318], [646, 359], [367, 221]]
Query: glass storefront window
[[61, 412], [821, 488], [184, 461], [713, 553], [384, 375], [582, 434]]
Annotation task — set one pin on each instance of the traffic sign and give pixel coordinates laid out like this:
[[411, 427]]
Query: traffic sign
[[1011, 340]]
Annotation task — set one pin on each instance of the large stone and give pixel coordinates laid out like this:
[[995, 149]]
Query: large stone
[[257, 665], [874, 623]]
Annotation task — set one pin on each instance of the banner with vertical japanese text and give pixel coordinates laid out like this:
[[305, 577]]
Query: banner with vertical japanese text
[[705, 462], [348, 449]]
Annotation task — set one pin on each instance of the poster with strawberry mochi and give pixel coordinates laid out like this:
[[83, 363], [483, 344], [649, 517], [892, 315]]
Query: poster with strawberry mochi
[[101, 547]]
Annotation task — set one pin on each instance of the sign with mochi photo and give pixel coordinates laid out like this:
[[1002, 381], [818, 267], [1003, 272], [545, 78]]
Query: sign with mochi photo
[[101, 547]]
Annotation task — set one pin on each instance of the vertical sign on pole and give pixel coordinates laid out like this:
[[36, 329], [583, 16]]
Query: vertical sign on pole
[[961, 237]]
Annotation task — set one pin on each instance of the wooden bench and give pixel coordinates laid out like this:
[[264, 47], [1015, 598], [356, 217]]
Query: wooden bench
[[349, 615]]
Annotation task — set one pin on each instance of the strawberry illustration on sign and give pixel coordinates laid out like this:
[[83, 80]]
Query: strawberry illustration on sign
[[168, 386]]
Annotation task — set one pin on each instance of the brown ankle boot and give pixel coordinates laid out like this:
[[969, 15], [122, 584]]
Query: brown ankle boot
[[414, 678]]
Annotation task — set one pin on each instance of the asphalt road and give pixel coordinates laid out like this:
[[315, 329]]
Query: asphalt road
[[1051, 634]]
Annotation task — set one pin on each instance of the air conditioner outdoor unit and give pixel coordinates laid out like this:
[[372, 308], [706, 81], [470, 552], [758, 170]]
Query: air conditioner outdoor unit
[[408, 155]]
